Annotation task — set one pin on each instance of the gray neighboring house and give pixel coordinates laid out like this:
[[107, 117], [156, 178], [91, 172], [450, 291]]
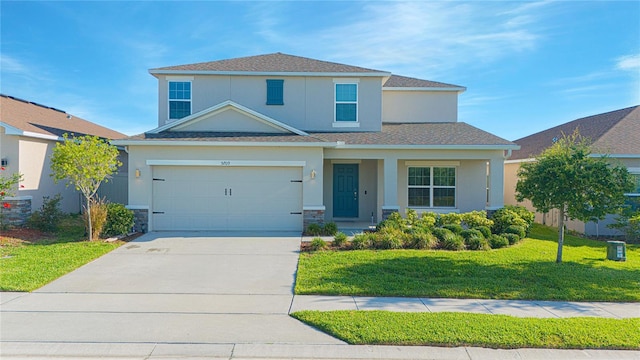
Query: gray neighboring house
[[28, 134], [276, 142], [616, 133]]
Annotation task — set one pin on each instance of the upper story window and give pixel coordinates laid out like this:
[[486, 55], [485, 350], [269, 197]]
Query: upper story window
[[275, 92], [432, 186], [179, 99], [346, 102]]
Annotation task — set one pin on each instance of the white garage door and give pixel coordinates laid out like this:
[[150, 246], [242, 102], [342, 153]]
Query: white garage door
[[227, 198]]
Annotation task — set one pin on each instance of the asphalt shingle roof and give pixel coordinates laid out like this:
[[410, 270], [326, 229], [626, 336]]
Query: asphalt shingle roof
[[277, 62], [436, 134], [403, 81], [44, 120], [614, 132]]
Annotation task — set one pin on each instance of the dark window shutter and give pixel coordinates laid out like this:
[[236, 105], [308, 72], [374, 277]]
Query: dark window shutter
[[275, 92]]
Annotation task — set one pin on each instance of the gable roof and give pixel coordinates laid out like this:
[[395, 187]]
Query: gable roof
[[277, 63], [456, 135], [224, 106], [614, 132], [405, 83], [21, 117]]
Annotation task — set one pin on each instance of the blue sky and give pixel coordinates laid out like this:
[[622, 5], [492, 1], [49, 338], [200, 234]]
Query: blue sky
[[527, 66]]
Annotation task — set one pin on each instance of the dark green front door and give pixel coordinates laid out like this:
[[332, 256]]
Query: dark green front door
[[345, 190]]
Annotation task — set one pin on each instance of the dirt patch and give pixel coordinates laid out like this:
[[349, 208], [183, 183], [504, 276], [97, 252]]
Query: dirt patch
[[17, 236]]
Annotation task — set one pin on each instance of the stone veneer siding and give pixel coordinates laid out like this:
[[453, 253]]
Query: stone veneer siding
[[17, 214], [140, 220], [312, 217]]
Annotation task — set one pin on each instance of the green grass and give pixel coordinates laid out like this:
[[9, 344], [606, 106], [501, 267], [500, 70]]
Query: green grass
[[526, 270], [27, 267], [464, 329]]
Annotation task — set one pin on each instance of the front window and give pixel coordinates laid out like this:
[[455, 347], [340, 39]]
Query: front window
[[346, 102], [179, 99], [432, 187], [633, 198]]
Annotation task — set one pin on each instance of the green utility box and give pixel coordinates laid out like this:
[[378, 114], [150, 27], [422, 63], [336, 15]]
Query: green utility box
[[617, 250]]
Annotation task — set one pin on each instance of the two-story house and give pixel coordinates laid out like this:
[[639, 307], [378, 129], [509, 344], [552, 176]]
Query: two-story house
[[275, 142]]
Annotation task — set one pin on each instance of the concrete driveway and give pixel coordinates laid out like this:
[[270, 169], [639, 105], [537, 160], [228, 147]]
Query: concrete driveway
[[173, 288]]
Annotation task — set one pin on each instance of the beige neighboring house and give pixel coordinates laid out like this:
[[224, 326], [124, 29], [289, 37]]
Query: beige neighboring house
[[28, 134], [276, 142], [615, 133]]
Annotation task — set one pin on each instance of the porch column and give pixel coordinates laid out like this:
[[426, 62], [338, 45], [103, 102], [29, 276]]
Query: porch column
[[390, 180], [496, 184]]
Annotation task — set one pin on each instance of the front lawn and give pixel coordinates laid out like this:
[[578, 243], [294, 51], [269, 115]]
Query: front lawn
[[464, 329], [526, 270], [28, 265]]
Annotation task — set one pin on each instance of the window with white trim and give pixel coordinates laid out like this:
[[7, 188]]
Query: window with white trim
[[633, 198], [346, 102], [432, 186], [179, 99]]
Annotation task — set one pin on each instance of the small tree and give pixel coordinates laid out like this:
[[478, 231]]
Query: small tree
[[85, 162], [566, 177]]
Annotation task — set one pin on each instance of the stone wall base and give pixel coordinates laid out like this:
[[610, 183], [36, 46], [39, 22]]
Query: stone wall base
[[16, 213], [140, 220], [388, 211], [312, 217]]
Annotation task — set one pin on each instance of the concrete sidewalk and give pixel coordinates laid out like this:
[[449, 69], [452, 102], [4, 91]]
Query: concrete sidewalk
[[520, 308]]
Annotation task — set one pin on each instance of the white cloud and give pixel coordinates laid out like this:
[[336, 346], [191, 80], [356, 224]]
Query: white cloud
[[12, 65], [628, 62], [416, 38]]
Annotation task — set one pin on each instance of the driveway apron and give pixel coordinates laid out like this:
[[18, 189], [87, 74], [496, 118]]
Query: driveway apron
[[199, 287]]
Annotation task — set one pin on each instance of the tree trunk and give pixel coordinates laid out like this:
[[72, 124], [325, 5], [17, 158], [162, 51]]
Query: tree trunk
[[560, 233], [89, 219]]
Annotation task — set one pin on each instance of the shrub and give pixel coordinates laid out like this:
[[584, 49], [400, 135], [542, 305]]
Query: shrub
[[339, 239], [455, 228], [318, 244], [431, 217], [526, 215], [119, 220], [394, 220], [329, 229], [390, 238], [422, 239], [362, 241], [512, 238], [453, 242], [425, 222], [314, 229], [475, 242], [518, 230], [48, 217], [98, 217], [503, 218], [450, 218], [466, 234], [476, 218], [486, 232], [497, 241], [412, 217], [441, 233]]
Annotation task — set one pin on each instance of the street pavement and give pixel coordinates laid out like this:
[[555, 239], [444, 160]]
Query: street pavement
[[227, 296]]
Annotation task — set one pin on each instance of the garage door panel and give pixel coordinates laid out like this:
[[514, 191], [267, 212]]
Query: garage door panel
[[227, 198]]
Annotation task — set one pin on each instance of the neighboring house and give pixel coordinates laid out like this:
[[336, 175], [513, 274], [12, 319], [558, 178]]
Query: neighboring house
[[615, 133], [275, 142], [28, 134]]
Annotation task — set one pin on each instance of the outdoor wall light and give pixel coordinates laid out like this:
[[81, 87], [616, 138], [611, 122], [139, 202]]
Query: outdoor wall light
[[137, 173], [313, 174]]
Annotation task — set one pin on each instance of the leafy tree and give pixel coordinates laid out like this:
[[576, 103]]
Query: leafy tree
[[7, 186], [85, 161], [566, 177]]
